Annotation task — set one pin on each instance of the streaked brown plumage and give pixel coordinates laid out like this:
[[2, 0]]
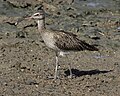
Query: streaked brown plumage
[[70, 42], [60, 41]]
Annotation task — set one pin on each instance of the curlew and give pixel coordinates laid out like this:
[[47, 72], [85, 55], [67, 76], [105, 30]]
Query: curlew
[[61, 42]]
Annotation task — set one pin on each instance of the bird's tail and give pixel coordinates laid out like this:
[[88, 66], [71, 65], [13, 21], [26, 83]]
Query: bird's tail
[[87, 46]]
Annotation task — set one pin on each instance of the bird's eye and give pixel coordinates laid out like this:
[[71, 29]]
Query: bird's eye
[[36, 14]]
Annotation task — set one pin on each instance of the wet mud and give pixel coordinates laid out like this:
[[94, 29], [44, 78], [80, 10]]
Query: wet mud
[[26, 63]]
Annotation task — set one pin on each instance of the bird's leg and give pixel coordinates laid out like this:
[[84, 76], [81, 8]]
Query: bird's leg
[[56, 68], [69, 66]]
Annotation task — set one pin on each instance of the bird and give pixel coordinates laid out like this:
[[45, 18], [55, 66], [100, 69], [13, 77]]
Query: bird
[[60, 41]]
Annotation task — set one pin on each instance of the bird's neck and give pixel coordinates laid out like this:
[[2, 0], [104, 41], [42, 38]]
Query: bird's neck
[[41, 25]]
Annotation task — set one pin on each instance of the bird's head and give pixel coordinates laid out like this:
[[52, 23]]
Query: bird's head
[[40, 15]]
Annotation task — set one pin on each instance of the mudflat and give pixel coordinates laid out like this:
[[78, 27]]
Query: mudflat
[[26, 63]]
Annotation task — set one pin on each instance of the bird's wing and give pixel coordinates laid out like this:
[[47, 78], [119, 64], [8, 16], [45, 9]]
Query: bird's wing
[[69, 41]]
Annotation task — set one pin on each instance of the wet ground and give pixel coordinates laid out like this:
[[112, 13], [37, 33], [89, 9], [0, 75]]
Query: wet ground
[[26, 63]]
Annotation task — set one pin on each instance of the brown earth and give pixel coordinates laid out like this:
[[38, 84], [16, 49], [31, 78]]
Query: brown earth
[[26, 63]]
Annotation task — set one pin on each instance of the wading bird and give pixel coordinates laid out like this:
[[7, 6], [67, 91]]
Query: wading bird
[[61, 42]]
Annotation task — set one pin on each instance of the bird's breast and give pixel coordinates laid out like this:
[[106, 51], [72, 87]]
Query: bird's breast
[[49, 40]]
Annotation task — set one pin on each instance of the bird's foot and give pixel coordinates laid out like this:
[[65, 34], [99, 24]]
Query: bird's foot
[[70, 76], [56, 77], [50, 77], [53, 77]]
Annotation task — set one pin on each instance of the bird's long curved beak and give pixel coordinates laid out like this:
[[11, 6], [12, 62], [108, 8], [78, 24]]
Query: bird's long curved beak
[[28, 18], [23, 18]]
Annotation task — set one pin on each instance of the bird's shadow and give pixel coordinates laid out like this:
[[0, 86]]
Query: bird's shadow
[[78, 73]]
